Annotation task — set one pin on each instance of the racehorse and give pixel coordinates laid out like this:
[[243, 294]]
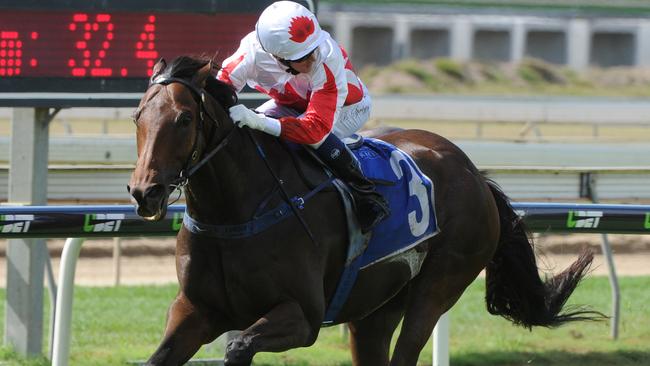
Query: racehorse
[[276, 284]]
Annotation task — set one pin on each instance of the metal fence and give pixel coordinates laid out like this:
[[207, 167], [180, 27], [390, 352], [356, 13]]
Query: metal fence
[[79, 222]]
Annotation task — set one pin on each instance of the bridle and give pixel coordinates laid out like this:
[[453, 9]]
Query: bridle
[[191, 166]]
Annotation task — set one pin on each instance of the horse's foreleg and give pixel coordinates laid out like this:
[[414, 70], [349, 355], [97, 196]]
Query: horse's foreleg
[[186, 331], [370, 337], [282, 328]]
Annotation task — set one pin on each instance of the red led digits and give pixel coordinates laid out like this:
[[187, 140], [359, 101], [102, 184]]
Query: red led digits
[[10, 53], [146, 47], [90, 45], [98, 45]]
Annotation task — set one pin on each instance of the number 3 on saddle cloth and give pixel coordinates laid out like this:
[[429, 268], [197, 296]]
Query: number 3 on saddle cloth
[[412, 220]]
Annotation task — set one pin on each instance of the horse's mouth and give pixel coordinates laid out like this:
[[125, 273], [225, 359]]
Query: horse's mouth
[[154, 214], [155, 217]]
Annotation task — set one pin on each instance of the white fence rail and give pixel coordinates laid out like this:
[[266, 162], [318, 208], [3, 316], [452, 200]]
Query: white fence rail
[[527, 171], [561, 109], [103, 150], [591, 110], [108, 183]]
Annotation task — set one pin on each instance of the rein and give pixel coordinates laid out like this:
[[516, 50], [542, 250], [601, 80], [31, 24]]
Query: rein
[[189, 169], [285, 195]]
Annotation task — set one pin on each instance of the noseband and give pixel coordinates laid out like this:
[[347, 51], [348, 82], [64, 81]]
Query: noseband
[[189, 168]]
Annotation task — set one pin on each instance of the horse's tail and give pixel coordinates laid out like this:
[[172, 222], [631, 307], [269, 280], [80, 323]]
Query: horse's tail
[[514, 288]]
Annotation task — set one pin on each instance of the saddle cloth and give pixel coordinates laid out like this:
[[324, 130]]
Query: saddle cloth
[[412, 220], [409, 193]]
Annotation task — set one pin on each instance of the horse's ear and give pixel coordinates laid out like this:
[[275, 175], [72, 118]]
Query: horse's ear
[[158, 68], [204, 73]]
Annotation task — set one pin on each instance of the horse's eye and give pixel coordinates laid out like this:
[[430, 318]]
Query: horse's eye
[[184, 119]]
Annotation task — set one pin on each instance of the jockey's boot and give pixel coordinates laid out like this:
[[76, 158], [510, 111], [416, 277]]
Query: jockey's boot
[[370, 206]]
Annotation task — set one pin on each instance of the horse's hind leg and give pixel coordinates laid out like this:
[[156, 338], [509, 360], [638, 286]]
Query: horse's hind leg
[[438, 286], [186, 331], [370, 337]]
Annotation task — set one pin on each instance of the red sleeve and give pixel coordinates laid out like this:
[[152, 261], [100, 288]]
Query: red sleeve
[[318, 120], [355, 90], [228, 68]]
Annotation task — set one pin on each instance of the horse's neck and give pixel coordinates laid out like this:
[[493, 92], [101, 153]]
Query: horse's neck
[[228, 189]]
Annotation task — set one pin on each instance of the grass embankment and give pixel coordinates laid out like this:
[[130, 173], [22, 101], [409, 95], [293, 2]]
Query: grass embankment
[[529, 77], [114, 325]]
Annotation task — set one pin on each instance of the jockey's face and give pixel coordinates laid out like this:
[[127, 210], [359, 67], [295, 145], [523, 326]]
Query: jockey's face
[[304, 65]]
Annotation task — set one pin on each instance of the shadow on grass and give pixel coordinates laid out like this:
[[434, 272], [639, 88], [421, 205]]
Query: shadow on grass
[[553, 358]]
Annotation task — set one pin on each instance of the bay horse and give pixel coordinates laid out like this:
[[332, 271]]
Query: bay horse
[[275, 285]]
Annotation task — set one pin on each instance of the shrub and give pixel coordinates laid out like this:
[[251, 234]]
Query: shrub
[[450, 68], [416, 70], [536, 71]]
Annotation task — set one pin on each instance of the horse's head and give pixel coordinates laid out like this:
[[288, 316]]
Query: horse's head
[[172, 121]]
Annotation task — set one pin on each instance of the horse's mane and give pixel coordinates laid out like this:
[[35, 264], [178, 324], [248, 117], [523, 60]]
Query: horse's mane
[[184, 67]]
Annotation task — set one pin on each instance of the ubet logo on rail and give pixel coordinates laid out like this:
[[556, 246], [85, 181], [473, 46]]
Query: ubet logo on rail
[[20, 223], [103, 222], [584, 219]]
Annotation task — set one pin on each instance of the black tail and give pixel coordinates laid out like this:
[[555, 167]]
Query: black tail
[[514, 287]]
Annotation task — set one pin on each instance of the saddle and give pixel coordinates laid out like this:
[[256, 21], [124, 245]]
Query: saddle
[[412, 220]]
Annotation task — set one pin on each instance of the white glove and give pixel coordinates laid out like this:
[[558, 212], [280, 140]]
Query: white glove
[[247, 117]]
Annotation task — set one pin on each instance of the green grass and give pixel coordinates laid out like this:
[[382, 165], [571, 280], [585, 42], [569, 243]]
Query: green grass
[[114, 325]]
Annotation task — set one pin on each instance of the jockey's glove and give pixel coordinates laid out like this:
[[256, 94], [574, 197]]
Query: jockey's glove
[[246, 117]]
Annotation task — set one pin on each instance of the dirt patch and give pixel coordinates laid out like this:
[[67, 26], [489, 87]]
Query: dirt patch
[[147, 261], [165, 246], [101, 248], [575, 243]]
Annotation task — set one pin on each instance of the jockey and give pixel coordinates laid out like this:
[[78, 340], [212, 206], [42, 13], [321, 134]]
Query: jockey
[[316, 98]]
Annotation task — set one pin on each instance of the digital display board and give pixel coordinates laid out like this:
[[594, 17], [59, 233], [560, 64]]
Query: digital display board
[[71, 44], [110, 46]]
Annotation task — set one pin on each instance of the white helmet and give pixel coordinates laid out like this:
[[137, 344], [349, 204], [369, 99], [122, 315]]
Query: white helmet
[[288, 30]]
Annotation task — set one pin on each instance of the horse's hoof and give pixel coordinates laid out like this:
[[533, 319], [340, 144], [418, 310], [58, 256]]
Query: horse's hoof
[[238, 353]]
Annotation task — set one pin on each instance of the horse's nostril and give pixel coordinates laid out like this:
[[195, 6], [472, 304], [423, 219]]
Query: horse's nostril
[[128, 188], [154, 190], [137, 194], [145, 196]]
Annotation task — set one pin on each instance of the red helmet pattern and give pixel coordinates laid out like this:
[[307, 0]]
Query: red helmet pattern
[[301, 28]]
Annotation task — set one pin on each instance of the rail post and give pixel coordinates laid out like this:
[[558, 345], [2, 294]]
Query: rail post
[[26, 257], [441, 341], [590, 181], [64, 299]]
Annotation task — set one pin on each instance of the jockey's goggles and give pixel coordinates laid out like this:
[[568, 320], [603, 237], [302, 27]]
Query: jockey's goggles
[[302, 59]]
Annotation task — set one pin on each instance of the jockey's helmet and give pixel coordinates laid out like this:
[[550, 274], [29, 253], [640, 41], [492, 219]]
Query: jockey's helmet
[[288, 30]]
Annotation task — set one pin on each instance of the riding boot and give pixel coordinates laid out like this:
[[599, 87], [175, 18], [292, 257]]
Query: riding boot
[[370, 206]]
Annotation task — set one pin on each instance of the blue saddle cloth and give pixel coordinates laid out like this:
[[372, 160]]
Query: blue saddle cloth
[[412, 220], [409, 193]]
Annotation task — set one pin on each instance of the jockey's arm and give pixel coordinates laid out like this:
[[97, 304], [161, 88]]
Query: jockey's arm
[[328, 96], [235, 70], [313, 125]]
